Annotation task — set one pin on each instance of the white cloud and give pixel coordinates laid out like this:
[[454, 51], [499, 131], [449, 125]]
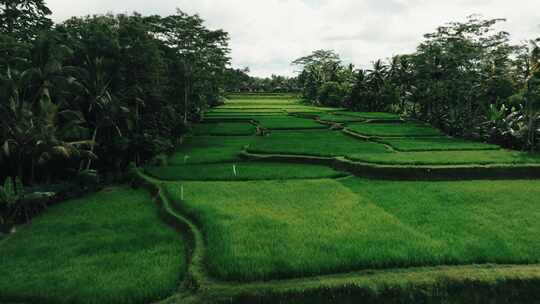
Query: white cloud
[[267, 35]]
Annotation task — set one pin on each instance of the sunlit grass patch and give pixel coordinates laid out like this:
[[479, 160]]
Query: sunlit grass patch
[[477, 221], [208, 149], [436, 144], [242, 171], [276, 229], [488, 157], [289, 123], [340, 118], [265, 230], [409, 129], [316, 143], [108, 247], [245, 110], [369, 115]]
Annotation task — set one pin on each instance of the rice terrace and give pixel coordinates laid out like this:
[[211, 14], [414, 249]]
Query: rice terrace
[[138, 166]]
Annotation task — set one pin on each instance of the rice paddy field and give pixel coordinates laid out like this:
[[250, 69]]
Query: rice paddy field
[[108, 247], [264, 213]]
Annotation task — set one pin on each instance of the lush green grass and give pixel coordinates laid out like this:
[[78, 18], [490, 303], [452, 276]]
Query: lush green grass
[[436, 144], [267, 230], [208, 149], [263, 230], [245, 111], [258, 108], [289, 123], [109, 247], [316, 143], [370, 115], [408, 129], [448, 157], [309, 114], [242, 171], [340, 118], [250, 97], [310, 109], [223, 129], [468, 221]]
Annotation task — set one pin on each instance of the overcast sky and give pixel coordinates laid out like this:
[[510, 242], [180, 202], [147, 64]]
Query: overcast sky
[[266, 35]]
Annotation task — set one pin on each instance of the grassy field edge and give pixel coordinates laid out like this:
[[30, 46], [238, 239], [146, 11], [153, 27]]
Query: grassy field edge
[[451, 284], [408, 172]]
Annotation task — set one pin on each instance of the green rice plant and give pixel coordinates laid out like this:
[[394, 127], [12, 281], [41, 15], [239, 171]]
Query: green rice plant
[[245, 111], [488, 157], [316, 143], [409, 129], [259, 103], [276, 229], [108, 247], [261, 107], [224, 129], [242, 171], [369, 115], [289, 123], [263, 96], [340, 118], [436, 144], [209, 149]]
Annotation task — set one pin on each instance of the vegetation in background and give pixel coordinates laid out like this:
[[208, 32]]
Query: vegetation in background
[[100, 92], [92, 95], [238, 80], [465, 78]]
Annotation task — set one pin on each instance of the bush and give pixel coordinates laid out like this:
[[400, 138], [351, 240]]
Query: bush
[[332, 93]]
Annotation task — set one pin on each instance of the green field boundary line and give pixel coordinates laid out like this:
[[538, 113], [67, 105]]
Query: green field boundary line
[[196, 278], [410, 172], [371, 137], [367, 138], [384, 121], [288, 158], [390, 147], [331, 124], [417, 285]]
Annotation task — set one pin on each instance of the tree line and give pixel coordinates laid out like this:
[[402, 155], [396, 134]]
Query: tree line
[[465, 78], [100, 92], [239, 80]]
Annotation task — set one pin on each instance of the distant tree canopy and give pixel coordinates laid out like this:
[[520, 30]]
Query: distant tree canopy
[[24, 19], [101, 91], [238, 80], [465, 78]]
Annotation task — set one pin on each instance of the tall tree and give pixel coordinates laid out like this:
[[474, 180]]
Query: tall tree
[[24, 19]]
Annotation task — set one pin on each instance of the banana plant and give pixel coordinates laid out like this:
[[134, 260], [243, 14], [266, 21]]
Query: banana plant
[[10, 195]]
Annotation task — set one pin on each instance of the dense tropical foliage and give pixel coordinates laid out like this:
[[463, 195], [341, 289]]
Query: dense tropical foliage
[[465, 78], [239, 80], [100, 92]]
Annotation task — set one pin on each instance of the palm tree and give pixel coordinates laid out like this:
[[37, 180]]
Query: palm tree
[[532, 96], [376, 80], [101, 108]]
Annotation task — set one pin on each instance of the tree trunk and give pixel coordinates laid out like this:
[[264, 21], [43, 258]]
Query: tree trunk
[[94, 136]]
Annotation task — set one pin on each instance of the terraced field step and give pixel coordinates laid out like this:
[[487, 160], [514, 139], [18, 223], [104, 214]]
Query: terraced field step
[[410, 172], [239, 171]]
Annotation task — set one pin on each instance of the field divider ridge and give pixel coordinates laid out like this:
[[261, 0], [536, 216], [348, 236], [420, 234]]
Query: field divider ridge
[[409, 172], [196, 279]]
